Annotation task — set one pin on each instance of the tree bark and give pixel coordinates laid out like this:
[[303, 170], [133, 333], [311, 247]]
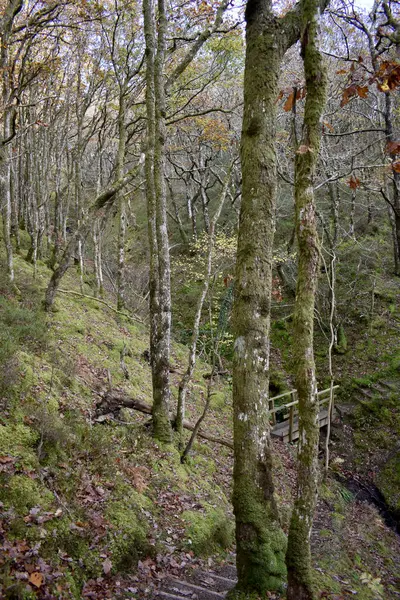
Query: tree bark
[[298, 557], [261, 543], [159, 286], [10, 12]]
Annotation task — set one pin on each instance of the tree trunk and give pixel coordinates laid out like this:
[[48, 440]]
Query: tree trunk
[[6, 22], [160, 301], [98, 209], [122, 134], [298, 557], [395, 176], [261, 543]]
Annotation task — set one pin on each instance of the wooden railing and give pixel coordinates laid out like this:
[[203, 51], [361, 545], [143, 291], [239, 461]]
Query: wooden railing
[[323, 398]]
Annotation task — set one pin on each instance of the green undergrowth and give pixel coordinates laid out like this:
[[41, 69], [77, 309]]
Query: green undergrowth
[[81, 491]]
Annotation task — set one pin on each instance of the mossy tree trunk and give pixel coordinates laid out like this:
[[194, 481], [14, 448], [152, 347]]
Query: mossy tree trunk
[[10, 12], [160, 296], [261, 543], [298, 555]]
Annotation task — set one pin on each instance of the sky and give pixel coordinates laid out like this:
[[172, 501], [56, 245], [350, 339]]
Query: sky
[[364, 4]]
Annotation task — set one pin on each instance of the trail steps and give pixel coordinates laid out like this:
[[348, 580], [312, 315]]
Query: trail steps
[[200, 585]]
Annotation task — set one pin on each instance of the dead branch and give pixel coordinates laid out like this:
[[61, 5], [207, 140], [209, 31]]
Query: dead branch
[[114, 400], [118, 312]]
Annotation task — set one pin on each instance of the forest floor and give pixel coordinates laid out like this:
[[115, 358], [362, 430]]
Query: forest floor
[[96, 509]]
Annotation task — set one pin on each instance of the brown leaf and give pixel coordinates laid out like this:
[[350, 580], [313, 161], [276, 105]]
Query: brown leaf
[[36, 579], [348, 93], [107, 566], [396, 166], [354, 182], [329, 126], [393, 147], [6, 459], [362, 91], [289, 103]]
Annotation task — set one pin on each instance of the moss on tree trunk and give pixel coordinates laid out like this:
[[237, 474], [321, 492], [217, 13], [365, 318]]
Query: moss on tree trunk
[[261, 543], [298, 556]]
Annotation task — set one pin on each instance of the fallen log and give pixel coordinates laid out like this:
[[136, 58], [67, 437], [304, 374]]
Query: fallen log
[[113, 401]]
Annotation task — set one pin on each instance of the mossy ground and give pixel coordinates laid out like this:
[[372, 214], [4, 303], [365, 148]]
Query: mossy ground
[[88, 492]]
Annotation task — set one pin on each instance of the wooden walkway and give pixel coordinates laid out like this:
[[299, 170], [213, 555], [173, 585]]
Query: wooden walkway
[[288, 427]]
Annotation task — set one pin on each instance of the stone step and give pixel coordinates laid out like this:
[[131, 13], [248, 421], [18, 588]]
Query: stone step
[[390, 385], [212, 580], [187, 589], [168, 596], [228, 571]]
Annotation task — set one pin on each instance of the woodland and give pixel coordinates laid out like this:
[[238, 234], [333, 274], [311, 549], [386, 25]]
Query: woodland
[[200, 299]]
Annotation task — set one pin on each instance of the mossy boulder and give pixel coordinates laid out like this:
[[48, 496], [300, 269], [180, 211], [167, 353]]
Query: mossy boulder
[[208, 532]]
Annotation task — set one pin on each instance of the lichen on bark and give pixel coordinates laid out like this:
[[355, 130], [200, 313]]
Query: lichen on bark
[[261, 543], [300, 586]]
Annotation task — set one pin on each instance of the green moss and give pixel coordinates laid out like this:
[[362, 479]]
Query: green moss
[[341, 345], [23, 493], [18, 440], [389, 482], [128, 536], [208, 532]]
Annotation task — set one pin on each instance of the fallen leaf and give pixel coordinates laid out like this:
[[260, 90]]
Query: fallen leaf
[[107, 566], [36, 579], [6, 459]]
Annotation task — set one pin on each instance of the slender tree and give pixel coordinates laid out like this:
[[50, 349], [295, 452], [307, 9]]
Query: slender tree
[[298, 555]]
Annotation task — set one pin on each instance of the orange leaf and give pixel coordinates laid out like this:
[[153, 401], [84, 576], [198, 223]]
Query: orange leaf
[[362, 91], [341, 72], [36, 579], [329, 126], [354, 182], [289, 103], [396, 166], [348, 93]]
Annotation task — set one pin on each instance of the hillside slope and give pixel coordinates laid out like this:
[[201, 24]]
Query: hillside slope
[[95, 509]]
